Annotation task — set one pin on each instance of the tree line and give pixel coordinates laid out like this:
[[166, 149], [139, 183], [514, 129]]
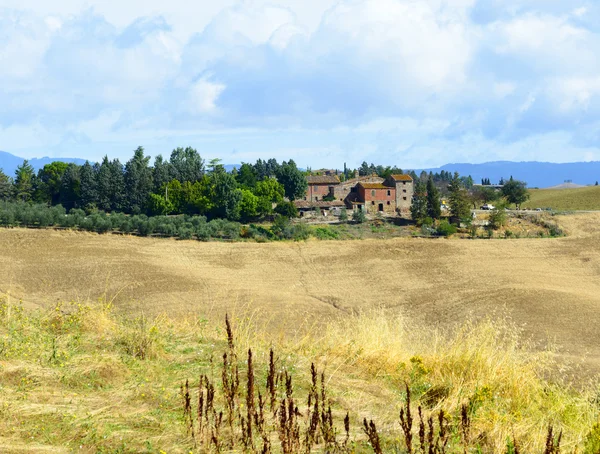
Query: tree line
[[426, 203], [183, 184]]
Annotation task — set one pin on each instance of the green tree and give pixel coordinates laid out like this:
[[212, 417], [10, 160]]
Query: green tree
[[293, 180], [6, 187], [50, 182], [187, 165], [287, 210], [158, 205], [110, 181], [70, 187], [24, 181], [516, 192], [89, 186], [138, 181], [246, 176], [225, 195], [161, 173], [269, 192], [104, 185], [248, 205], [458, 199], [364, 169], [418, 207], [434, 208]]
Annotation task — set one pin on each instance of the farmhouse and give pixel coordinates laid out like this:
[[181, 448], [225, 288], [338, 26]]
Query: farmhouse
[[370, 193], [321, 187]]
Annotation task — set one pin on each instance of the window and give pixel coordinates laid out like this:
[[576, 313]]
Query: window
[[373, 193], [388, 202], [404, 182], [404, 198], [389, 192], [373, 202], [404, 190], [316, 199]]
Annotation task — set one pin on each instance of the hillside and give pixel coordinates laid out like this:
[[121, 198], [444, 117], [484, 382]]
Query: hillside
[[9, 162], [586, 198], [536, 174]]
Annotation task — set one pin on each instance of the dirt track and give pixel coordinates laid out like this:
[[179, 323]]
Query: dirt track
[[552, 286]]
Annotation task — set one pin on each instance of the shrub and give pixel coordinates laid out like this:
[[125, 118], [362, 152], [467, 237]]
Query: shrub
[[297, 232], [287, 209], [359, 216], [326, 233], [343, 215], [204, 232], [497, 219], [185, 233], [445, 228]]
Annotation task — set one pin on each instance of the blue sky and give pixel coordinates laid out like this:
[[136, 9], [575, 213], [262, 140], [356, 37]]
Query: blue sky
[[405, 82]]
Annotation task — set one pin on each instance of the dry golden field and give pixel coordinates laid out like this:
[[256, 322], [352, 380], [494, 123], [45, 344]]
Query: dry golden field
[[550, 286]]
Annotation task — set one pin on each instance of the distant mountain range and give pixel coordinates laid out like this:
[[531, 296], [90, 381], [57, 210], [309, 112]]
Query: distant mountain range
[[536, 174], [9, 162]]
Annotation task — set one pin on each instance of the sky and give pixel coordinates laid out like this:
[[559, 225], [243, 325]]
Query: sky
[[412, 83]]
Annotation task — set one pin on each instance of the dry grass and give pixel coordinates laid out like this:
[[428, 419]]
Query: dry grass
[[575, 199], [71, 384]]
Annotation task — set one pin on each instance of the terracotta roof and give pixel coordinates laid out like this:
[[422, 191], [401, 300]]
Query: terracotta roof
[[323, 179], [401, 177], [374, 186], [307, 204]]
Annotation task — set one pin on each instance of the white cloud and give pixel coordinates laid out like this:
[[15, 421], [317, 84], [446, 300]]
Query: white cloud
[[399, 80], [204, 95]]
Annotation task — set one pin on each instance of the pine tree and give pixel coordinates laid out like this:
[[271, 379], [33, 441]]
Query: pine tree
[[418, 207], [292, 179], [104, 185], [458, 199], [434, 208], [6, 187], [161, 173], [24, 181], [117, 181], [89, 186], [138, 182], [70, 187]]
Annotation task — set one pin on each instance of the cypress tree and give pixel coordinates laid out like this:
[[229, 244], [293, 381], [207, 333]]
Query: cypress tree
[[434, 208]]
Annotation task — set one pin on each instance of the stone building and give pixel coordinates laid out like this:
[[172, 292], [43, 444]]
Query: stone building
[[321, 187], [370, 193], [376, 198], [404, 186]]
